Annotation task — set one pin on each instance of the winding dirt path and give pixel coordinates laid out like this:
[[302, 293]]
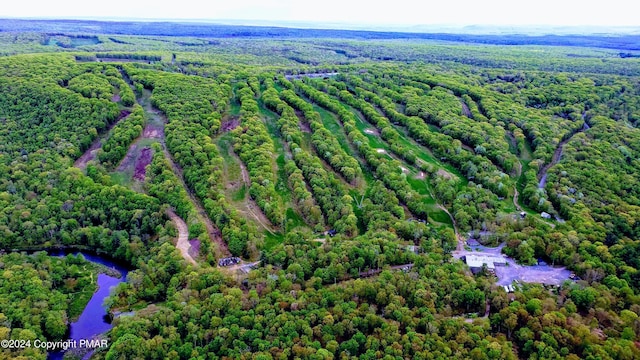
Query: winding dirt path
[[88, 155], [183, 236], [465, 109], [459, 238], [554, 160], [245, 173], [252, 207], [515, 198], [556, 156], [460, 245], [92, 151]]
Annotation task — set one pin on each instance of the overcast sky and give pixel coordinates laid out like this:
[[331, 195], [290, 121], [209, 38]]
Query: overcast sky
[[389, 12]]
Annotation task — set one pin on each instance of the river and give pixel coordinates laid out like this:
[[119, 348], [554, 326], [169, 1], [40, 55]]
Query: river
[[93, 320]]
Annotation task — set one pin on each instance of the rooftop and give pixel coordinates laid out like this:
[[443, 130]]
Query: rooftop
[[476, 261]]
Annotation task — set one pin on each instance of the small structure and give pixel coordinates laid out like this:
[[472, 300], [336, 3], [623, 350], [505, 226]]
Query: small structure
[[523, 214], [473, 242], [476, 262], [332, 232], [545, 215], [228, 261], [324, 75]]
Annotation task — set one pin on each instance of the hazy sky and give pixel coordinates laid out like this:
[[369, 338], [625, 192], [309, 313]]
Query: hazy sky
[[391, 12]]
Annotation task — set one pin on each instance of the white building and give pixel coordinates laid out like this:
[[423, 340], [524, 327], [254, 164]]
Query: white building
[[475, 262]]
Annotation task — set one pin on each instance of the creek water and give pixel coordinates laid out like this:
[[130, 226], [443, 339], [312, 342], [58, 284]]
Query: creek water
[[94, 319]]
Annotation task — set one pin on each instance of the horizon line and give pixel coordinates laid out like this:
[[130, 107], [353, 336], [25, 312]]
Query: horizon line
[[443, 28]]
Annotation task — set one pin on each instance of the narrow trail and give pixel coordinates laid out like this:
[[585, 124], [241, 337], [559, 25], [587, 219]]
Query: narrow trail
[[513, 141], [557, 154], [515, 186], [88, 155], [257, 214], [459, 238], [183, 236], [519, 169], [252, 208], [378, 271], [92, 151], [245, 173], [465, 109], [515, 198], [372, 272]]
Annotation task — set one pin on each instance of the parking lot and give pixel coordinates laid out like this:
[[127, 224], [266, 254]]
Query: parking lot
[[543, 274], [506, 274]]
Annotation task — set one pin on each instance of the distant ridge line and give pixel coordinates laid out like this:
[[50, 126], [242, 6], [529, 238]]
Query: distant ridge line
[[185, 28]]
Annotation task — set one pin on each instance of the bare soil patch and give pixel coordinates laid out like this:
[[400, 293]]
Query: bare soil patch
[[304, 125], [245, 173], [123, 114], [88, 155], [230, 124], [152, 131], [421, 175], [129, 159], [115, 98], [445, 174], [140, 170], [183, 236], [92, 151], [465, 110], [468, 148], [194, 248]]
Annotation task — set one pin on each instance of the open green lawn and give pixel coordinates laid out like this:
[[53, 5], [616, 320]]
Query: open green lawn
[[270, 118], [232, 168], [332, 124]]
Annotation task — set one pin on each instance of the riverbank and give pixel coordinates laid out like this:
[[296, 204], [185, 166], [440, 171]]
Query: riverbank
[[94, 320]]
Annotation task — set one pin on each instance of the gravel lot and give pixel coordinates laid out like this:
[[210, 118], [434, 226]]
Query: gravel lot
[[545, 274]]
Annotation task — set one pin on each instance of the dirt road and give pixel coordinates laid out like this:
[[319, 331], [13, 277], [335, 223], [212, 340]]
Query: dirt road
[[557, 154], [515, 198], [183, 236]]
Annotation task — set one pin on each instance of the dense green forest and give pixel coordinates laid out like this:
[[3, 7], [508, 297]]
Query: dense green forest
[[349, 174]]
